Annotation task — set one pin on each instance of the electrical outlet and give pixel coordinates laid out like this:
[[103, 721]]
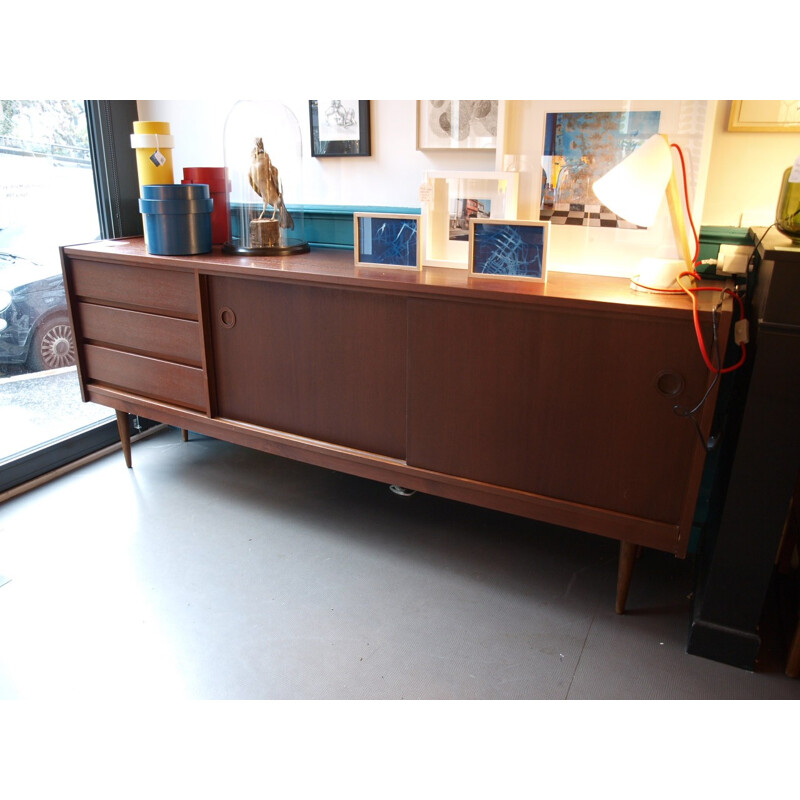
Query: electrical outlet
[[733, 259]]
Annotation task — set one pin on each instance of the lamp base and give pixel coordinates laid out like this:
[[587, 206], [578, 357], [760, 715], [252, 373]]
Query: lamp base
[[657, 274]]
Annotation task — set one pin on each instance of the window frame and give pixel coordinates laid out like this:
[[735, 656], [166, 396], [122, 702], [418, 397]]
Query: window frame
[[109, 123]]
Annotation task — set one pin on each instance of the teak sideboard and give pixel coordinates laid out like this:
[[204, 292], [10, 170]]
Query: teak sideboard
[[555, 401]]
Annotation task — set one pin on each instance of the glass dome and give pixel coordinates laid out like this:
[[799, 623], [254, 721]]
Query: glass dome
[[264, 159]]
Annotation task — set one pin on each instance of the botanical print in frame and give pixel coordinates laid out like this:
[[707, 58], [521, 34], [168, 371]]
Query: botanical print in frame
[[457, 124]]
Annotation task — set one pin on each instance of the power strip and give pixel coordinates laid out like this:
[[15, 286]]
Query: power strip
[[733, 259]]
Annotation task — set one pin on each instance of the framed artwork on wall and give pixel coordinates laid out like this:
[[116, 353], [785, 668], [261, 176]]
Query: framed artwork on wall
[[769, 116], [457, 124], [450, 200], [562, 147], [339, 127], [579, 147], [387, 241], [501, 248]]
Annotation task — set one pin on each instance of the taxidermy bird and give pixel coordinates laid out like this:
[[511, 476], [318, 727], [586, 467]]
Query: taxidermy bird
[[264, 180]]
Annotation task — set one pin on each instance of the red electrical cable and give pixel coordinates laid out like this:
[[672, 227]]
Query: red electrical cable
[[696, 317], [691, 292], [688, 210]]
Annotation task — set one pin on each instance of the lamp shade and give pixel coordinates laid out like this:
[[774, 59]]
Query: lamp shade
[[635, 187]]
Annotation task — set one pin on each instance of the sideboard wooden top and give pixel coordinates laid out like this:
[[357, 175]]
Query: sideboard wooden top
[[337, 268]]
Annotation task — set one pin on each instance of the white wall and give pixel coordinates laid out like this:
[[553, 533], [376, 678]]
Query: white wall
[[745, 172], [743, 176], [739, 185], [390, 177]]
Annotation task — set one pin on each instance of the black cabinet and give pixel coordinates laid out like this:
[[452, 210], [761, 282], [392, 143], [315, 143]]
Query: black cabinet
[[736, 574]]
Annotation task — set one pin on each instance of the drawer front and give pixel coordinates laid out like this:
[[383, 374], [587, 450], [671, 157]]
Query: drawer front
[[165, 291], [147, 334], [176, 384]]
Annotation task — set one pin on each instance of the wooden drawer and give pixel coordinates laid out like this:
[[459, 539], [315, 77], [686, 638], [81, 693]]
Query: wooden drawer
[[160, 290], [147, 334], [150, 377]]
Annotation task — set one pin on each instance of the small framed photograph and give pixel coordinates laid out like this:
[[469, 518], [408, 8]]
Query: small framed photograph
[[339, 127], [457, 124], [388, 241], [450, 200], [501, 248]]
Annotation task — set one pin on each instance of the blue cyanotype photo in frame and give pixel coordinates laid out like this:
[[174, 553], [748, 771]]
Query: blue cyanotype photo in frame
[[508, 249], [391, 241]]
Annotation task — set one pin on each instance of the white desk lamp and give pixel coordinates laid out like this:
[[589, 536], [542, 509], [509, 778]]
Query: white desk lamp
[[633, 190]]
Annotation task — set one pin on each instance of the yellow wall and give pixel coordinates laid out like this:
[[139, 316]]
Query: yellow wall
[[744, 173]]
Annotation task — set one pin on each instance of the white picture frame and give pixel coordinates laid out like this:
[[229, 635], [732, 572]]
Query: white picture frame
[[450, 199]]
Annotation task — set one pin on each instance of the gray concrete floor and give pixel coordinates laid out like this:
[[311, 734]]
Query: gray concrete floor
[[210, 571]]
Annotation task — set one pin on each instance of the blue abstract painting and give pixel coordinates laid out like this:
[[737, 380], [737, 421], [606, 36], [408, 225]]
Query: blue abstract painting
[[579, 148]]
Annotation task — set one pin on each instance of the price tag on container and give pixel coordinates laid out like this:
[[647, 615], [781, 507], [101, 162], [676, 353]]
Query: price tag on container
[[158, 158]]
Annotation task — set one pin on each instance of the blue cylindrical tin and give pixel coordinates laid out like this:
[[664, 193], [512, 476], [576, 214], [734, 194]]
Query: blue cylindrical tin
[[177, 218]]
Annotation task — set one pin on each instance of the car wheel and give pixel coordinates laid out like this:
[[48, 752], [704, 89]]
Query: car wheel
[[53, 345]]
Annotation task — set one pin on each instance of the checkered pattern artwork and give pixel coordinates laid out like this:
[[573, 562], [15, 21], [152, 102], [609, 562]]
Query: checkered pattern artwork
[[593, 216]]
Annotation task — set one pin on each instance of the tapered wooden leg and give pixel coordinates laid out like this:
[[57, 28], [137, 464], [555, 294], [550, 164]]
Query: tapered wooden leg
[[793, 663], [124, 435], [184, 434], [627, 558]]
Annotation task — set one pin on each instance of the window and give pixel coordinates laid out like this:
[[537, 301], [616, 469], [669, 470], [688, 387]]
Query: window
[[67, 175]]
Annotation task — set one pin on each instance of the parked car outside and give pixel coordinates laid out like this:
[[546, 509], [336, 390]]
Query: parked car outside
[[37, 331]]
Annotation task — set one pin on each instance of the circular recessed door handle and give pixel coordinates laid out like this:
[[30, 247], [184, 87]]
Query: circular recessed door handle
[[226, 317], [669, 383]]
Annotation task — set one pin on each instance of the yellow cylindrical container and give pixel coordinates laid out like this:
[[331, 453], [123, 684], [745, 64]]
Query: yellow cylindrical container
[[153, 143]]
